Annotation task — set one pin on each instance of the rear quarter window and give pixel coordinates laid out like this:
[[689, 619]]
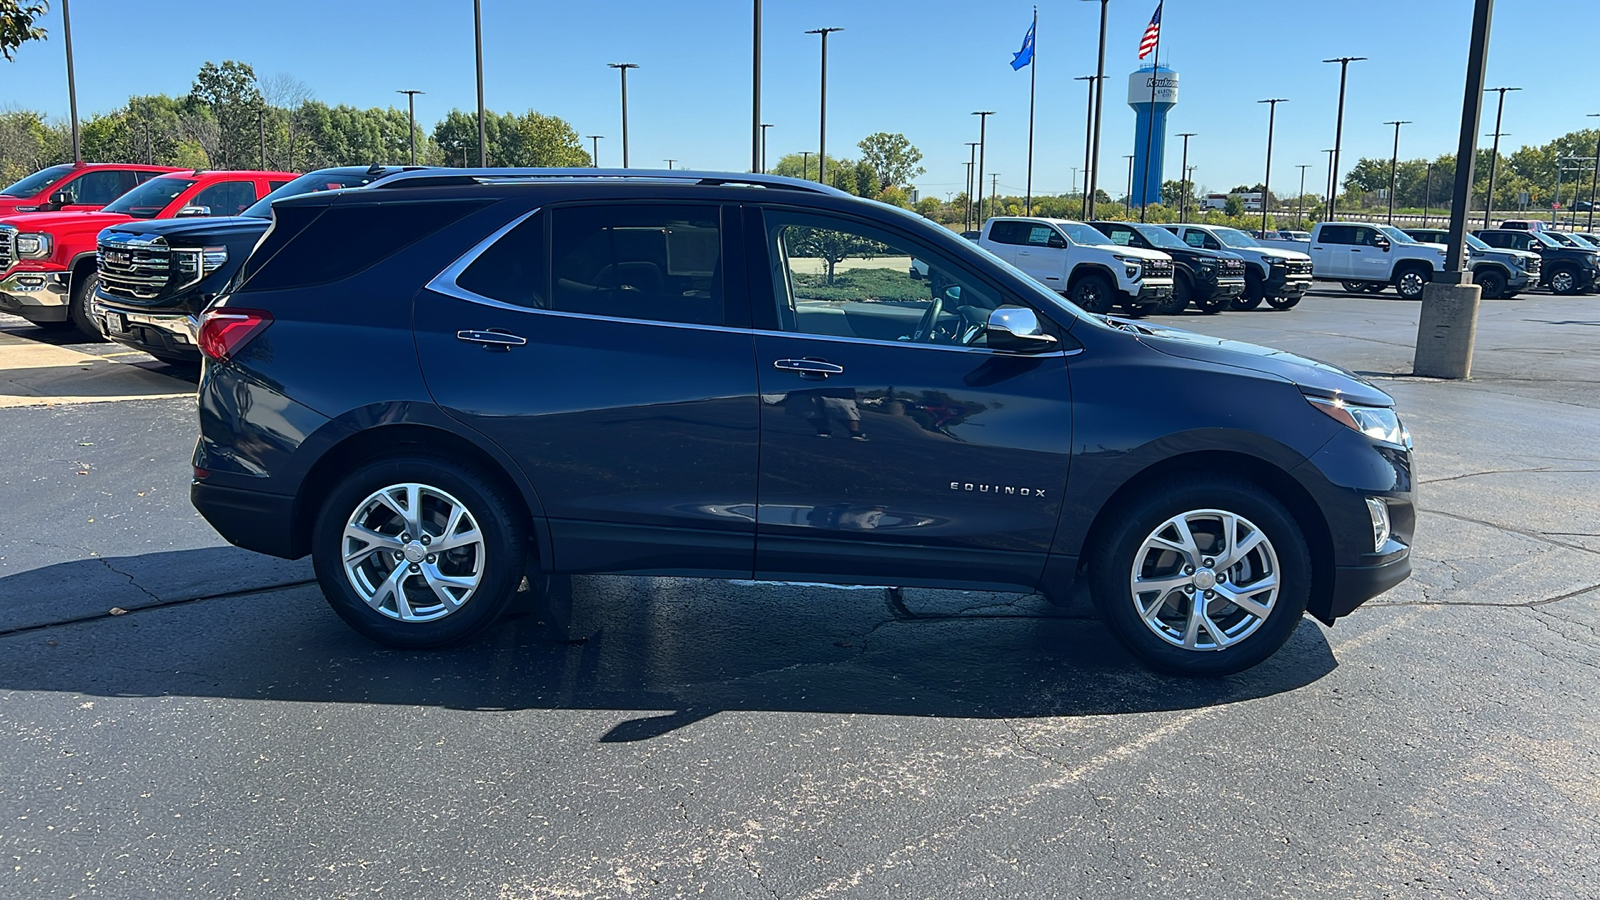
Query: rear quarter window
[[345, 240]]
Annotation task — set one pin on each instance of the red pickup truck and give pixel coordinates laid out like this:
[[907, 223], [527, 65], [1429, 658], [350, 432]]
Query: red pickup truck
[[47, 259], [75, 186]]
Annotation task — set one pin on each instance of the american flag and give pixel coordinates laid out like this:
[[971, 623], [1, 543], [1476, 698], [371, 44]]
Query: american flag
[[1152, 33]]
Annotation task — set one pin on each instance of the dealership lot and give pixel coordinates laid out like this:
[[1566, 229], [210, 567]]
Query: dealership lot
[[177, 715]]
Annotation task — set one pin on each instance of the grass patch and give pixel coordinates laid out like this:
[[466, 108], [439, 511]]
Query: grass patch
[[862, 284]]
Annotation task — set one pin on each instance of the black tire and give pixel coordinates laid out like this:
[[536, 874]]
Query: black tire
[[1564, 280], [499, 559], [1094, 293], [1493, 283], [1114, 551], [1253, 294], [1182, 293], [78, 306], [1284, 302], [1411, 281], [1354, 287], [1376, 287], [1213, 304]]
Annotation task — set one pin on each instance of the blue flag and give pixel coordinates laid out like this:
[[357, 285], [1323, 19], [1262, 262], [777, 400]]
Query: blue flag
[[1024, 56]]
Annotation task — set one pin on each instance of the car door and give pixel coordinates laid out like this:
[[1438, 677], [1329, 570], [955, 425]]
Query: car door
[[607, 350], [1042, 253], [226, 198], [896, 447], [1371, 256], [1330, 251]]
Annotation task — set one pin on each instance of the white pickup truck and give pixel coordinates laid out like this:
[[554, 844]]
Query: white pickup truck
[[1081, 263], [1363, 256]]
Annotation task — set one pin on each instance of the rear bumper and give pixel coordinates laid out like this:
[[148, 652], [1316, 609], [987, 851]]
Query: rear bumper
[[250, 519], [36, 296], [167, 334]]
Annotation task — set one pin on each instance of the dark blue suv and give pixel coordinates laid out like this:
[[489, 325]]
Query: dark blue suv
[[452, 380]]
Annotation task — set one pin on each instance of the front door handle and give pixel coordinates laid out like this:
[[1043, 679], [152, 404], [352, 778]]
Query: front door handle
[[808, 368], [491, 339]]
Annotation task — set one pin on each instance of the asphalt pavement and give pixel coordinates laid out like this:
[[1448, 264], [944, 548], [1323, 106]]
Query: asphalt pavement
[[183, 718]]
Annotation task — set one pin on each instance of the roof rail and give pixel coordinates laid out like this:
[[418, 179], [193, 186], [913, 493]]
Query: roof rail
[[446, 177]]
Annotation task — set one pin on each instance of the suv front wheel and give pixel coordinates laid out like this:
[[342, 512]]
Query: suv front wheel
[[1209, 579], [417, 551]]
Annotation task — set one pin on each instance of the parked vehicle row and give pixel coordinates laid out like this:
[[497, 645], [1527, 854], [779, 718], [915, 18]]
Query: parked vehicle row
[[446, 387]]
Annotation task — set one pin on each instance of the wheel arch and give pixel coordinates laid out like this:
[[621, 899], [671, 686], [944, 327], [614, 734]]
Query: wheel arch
[[1084, 270], [388, 440], [1267, 475]]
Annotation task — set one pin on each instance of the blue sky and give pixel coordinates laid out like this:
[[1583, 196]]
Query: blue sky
[[918, 68]]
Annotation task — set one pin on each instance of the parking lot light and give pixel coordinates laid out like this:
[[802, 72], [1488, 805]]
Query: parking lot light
[[1183, 174], [1494, 154], [1098, 87], [1300, 202], [1338, 133], [822, 122], [1266, 182], [1595, 178], [1394, 162], [1088, 141], [983, 123], [595, 138], [411, 119]]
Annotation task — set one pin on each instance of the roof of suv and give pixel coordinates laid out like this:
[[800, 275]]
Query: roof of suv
[[686, 177]]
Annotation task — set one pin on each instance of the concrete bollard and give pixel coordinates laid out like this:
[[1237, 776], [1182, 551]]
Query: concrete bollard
[[1447, 328]]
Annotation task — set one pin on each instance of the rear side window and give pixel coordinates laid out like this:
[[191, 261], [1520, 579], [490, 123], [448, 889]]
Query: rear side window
[[657, 263], [1337, 234], [1009, 232], [513, 269], [98, 187], [347, 239]]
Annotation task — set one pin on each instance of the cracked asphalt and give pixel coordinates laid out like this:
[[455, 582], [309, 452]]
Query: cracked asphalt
[[183, 718]]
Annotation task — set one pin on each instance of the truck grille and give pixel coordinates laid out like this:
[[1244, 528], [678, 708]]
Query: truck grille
[[1533, 264], [1233, 268], [8, 234], [133, 268], [1299, 266], [1158, 268]]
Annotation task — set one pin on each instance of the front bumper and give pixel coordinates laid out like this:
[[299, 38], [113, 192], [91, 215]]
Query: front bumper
[[1149, 292], [1282, 284], [1355, 585], [1221, 287], [36, 296], [173, 335]]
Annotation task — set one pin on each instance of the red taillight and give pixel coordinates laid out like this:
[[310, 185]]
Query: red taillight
[[223, 331]]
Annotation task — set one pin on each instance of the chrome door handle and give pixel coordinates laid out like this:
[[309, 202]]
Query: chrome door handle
[[808, 367], [492, 340]]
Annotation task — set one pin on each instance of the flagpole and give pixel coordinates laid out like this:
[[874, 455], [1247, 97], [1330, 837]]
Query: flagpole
[[1150, 123], [1033, 80]]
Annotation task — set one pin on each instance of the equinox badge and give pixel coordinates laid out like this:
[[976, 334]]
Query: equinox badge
[[995, 489]]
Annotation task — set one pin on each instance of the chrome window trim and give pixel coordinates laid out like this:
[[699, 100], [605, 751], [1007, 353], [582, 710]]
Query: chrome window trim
[[445, 283]]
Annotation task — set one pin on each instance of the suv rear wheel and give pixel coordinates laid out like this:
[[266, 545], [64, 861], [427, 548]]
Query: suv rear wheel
[[417, 551], [1209, 579]]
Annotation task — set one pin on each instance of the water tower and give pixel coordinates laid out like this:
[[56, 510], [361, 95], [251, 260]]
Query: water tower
[[1164, 82]]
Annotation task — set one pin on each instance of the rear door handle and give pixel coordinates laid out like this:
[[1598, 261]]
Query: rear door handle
[[492, 339], [813, 368]]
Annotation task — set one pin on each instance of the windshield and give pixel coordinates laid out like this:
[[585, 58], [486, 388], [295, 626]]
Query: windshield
[[1586, 243], [1396, 235], [37, 182], [1083, 234], [1161, 237], [310, 184], [1561, 239], [1545, 239], [1233, 237], [148, 200], [1474, 243]]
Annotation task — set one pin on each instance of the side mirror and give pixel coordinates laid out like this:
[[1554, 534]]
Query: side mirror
[[1382, 244], [61, 198], [1057, 242], [194, 211], [1017, 328]]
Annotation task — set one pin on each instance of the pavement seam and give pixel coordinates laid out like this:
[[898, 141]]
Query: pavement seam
[[1540, 470], [160, 604], [1541, 536]]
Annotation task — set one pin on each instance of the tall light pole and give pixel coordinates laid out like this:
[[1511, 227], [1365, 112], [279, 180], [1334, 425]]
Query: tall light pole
[[623, 68], [411, 119], [822, 108], [1338, 133], [1098, 86], [1494, 154], [1394, 164], [1183, 171], [1427, 195], [1328, 197], [1300, 202], [483, 128], [972, 167], [1594, 179], [669, 163], [966, 214], [983, 125], [1088, 142], [72, 81], [261, 126], [805, 164], [1128, 200], [596, 139], [1266, 183], [758, 134]]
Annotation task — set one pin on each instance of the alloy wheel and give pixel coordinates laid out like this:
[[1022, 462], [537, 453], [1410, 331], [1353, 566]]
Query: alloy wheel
[[1411, 284], [1563, 282], [413, 552], [1205, 579]]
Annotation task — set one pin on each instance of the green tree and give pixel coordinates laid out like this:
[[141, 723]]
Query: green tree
[[17, 24], [929, 207], [28, 143], [793, 165], [547, 141], [231, 96], [892, 158], [867, 183], [832, 247], [1232, 207]]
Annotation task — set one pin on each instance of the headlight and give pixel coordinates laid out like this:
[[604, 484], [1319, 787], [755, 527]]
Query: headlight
[[1377, 422], [1378, 511], [32, 246], [198, 262], [1276, 261]]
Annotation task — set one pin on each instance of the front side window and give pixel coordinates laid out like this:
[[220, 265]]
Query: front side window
[[97, 188], [228, 198], [841, 278], [657, 263], [1120, 235]]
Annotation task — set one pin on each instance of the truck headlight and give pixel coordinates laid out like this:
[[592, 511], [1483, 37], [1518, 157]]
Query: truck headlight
[[198, 262], [1377, 422], [32, 246]]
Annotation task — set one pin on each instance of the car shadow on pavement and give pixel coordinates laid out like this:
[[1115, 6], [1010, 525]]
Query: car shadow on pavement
[[662, 652]]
